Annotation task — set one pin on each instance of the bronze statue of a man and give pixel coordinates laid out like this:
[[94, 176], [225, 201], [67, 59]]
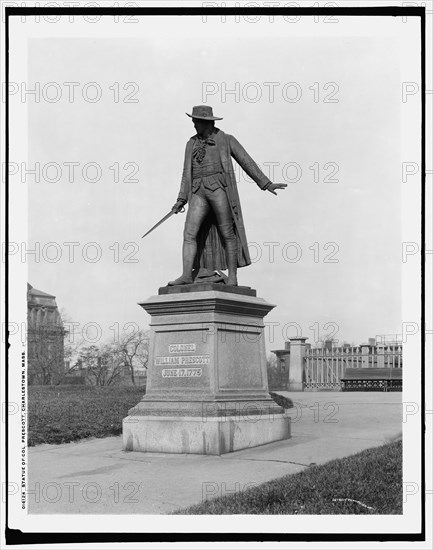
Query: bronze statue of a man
[[214, 236]]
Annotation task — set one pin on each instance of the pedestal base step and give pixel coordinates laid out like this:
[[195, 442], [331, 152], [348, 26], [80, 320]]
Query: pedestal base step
[[192, 435], [203, 287]]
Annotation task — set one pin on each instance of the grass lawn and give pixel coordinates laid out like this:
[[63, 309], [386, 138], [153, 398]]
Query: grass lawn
[[372, 477], [60, 414]]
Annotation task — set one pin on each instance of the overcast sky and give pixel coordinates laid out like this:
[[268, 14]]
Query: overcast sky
[[332, 111]]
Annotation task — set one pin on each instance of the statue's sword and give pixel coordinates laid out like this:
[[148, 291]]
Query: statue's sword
[[162, 221]]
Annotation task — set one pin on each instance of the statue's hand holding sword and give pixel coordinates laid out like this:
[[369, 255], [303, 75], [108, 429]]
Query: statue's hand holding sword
[[178, 207]]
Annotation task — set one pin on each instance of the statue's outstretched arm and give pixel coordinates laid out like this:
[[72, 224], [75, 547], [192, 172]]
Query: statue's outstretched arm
[[251, 168]]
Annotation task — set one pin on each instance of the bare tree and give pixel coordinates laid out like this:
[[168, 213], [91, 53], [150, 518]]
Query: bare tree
[[102, 365], [73, 343], [134, 350], [326, 341]]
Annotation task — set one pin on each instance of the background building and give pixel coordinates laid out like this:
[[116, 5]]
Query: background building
[[45, 338]]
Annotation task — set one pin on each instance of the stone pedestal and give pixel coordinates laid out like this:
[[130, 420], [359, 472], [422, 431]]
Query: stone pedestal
[[207, 389]]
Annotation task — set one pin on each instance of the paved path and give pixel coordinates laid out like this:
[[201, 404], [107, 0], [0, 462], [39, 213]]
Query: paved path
[[96, 477]]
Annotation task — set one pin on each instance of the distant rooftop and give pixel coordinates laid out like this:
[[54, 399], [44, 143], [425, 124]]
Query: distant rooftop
[[389, 338], [38, 297]]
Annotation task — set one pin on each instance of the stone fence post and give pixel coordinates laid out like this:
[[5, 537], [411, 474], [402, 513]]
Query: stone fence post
[[296, 372], [380, 353], [365, 357]]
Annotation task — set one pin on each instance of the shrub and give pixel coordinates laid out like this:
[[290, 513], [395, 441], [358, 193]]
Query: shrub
[[60, 414]]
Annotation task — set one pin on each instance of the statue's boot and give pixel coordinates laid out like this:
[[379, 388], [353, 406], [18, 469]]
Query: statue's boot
[[181, 281], [188, 254], [233, 278], [231, 248]]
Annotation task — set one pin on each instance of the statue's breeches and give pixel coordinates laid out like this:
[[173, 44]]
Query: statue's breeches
[[201, 203]]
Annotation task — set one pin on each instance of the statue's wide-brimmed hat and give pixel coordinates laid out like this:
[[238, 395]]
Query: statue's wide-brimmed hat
[[203, 112]]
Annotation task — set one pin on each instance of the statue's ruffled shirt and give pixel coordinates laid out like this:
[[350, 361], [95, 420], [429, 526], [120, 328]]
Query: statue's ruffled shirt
[[200, 147]]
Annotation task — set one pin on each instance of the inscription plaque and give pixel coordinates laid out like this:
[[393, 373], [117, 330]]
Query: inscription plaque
[[181, 373], [181, 348], [182, 360]]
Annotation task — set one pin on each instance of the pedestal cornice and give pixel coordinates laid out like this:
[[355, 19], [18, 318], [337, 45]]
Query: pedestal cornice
[[206, 301]]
